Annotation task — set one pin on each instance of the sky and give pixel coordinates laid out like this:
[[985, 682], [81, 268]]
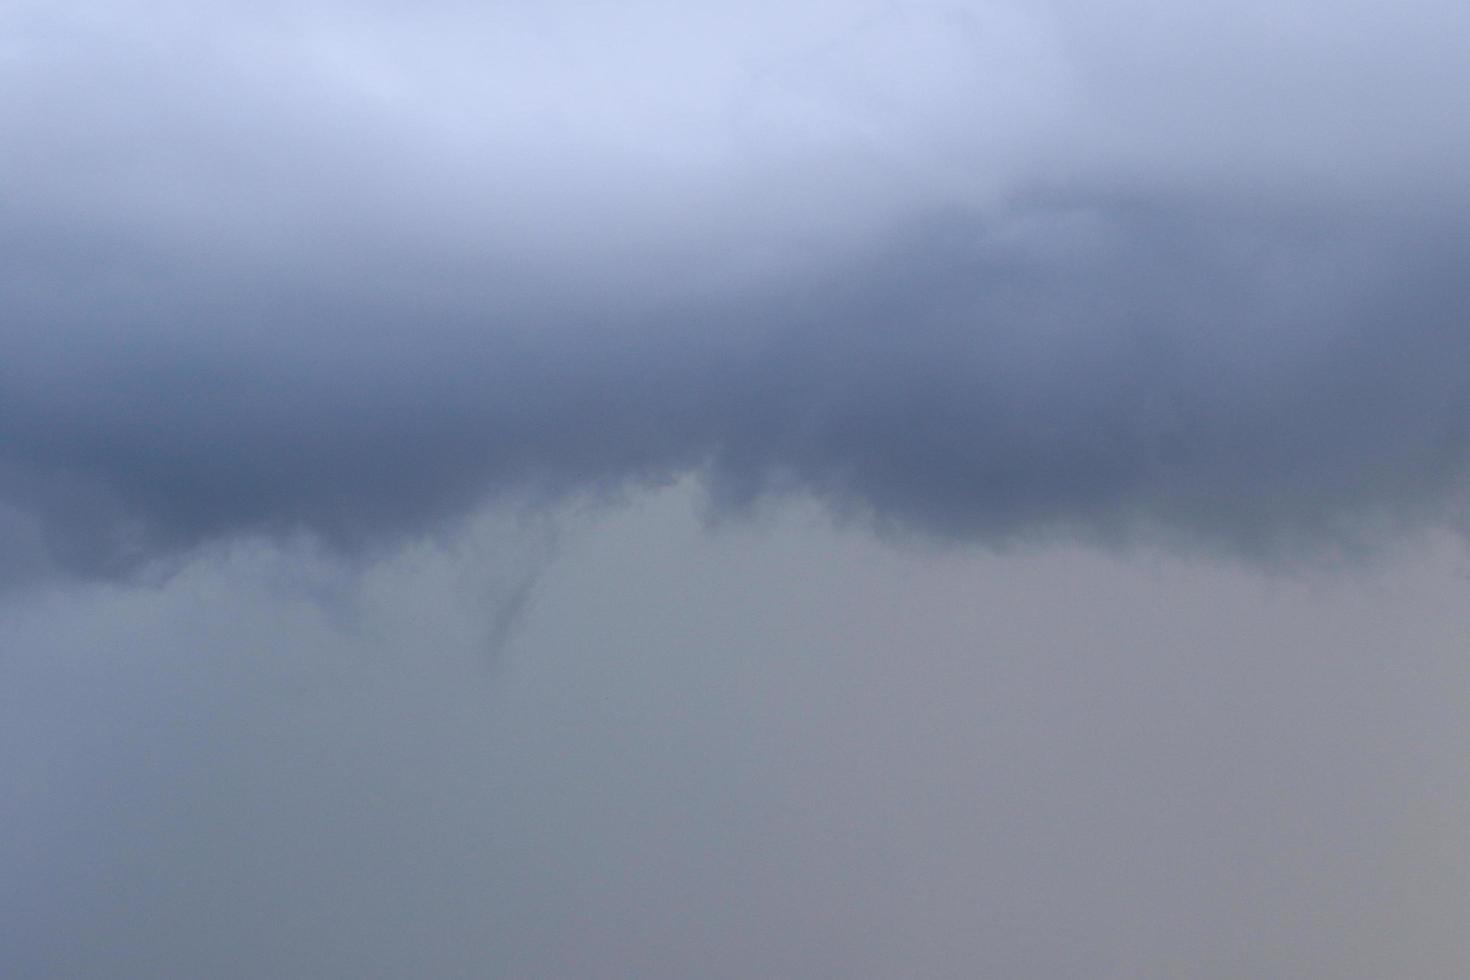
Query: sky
[[818, 489]]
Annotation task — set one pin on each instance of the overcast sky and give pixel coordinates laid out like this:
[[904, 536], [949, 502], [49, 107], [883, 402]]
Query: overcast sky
[[805, 489]]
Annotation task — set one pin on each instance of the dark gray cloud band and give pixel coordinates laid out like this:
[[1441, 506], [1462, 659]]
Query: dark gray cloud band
[[339, 275]]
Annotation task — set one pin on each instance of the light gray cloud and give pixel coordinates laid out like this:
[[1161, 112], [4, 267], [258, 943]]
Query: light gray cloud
[[788, 754]]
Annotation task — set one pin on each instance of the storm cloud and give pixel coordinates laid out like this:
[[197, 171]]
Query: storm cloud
[[986, 271], [331, 333]]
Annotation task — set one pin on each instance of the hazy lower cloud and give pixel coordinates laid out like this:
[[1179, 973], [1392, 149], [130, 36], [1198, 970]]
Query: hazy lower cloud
[[994, 271]]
